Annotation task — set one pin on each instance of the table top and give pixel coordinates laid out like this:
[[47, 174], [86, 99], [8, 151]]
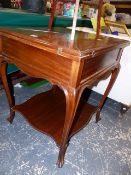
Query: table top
[[58, 40]]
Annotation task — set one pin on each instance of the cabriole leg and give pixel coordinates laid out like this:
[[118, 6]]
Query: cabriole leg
[[72, 100], [7, 87], [112, 81]]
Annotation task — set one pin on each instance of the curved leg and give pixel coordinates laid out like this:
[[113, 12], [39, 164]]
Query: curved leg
[[112, 81], [10, 96], [72, 100]]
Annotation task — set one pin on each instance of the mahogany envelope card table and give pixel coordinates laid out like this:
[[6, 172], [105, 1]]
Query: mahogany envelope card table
[[71, 66]]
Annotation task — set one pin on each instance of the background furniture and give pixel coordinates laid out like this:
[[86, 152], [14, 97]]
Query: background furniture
[[5, 3], [117, 26], [122, 6], [18, 18]]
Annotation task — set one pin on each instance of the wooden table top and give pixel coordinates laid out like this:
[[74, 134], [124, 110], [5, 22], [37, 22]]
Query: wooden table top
[[85, 44]]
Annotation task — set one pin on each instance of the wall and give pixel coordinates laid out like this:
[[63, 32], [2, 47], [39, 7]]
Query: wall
[[121, 90]]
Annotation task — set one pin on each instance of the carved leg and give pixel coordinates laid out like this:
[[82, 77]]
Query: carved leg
[[112, 81], [10, 96], [72, 100]]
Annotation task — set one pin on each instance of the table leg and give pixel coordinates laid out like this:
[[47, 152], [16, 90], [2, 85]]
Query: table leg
[[72, 100], [10, 97], [112, 81]]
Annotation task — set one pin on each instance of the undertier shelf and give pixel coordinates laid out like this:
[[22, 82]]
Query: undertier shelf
[[46, 113]]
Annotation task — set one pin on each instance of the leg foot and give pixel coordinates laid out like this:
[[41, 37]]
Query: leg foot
[[60, 161], [11, 117], [98, 118], [61, 156]]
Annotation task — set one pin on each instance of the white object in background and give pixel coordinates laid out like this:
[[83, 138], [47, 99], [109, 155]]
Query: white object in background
[[121, 90], [75, 20], [90, 13], [18, 85]]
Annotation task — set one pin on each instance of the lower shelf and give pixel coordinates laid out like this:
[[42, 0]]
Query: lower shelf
[[46, 113]]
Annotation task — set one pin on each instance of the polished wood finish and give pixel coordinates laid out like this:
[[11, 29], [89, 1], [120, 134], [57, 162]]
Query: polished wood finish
[[70, 67], [54, 100]]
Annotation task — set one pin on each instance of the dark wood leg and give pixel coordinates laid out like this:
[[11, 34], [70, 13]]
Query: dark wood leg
[[10, 97], [72, 100], [52, 15], [112, 81]]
